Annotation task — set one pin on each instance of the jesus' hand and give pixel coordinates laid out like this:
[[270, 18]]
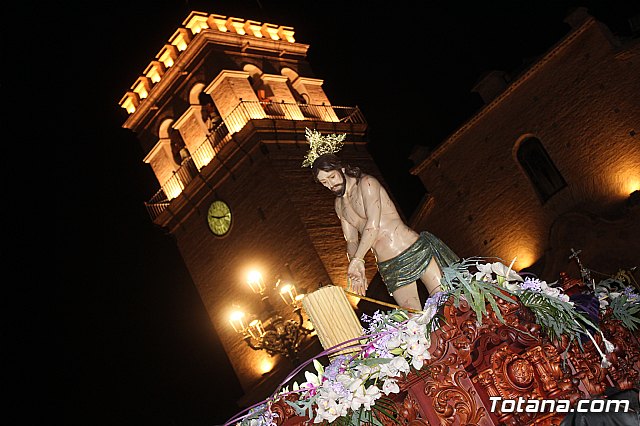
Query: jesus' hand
[[357, 277]]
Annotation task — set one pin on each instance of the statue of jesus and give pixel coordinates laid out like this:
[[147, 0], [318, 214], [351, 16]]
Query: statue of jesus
[[370, 221]]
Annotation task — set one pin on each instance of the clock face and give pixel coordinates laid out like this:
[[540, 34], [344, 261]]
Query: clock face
[[219, 217]]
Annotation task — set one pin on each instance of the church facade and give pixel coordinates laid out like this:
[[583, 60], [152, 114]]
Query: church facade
[[551, 162]]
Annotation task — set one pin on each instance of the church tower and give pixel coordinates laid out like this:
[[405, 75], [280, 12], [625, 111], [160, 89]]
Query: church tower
[[221, 113]]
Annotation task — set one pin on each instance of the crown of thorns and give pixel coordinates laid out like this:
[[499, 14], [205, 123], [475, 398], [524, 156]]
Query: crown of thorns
[[319, 145]]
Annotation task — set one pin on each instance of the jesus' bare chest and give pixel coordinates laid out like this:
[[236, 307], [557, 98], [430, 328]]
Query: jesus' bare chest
[[351, 209]]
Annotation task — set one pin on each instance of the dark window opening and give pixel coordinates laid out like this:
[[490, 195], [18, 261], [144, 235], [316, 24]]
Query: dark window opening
[[542, 173], [210, 115], [178, 148]]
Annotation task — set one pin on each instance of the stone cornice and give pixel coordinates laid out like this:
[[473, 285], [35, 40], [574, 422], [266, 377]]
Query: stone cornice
[[194, 47]]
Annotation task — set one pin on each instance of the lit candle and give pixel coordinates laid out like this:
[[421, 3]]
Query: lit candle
[[255, 329], [255, 282], [236, 319], [288, 293]]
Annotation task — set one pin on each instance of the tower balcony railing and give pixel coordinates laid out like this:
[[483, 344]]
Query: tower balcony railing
[[219, 136]]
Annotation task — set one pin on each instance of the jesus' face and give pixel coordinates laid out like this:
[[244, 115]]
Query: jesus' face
[[334, 180]]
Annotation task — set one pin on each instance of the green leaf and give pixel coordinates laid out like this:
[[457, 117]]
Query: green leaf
[[375, 421], [495, 308], [319, 367], [299, 411], [397, 351], [375, 361]]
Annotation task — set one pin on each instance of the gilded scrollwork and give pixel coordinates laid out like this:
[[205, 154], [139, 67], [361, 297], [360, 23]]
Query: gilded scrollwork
[[472, 362], [625, 358]]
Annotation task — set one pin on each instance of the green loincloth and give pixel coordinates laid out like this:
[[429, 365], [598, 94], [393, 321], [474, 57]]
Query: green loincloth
[[409, 265]]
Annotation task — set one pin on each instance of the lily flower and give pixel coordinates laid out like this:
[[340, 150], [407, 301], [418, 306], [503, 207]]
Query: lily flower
[[365, 398], [329, 409], [501, 270], [484, 272], [390, 386]]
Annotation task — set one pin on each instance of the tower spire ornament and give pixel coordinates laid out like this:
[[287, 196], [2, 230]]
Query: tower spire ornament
[[319, 145]]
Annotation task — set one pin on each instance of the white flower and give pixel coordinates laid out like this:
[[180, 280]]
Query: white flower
[[427, 314], [365, 398], [565, 298], [394, 342], [603, 304], [312, 383], [501, 269], [394, 367], [413, 328], [367, 371], [511, 286], [390, 386], [418, 361], [329, 409], [416, 348], [484, 272], [355, 384], [312, 378]]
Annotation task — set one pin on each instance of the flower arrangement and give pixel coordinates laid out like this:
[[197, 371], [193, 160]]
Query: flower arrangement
[[552, 309], [356, 388], [620, 301], [353, 389]]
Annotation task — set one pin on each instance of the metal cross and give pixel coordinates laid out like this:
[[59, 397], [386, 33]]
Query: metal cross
[[586, 274]]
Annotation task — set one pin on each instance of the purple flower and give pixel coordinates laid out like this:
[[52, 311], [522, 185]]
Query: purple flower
[[339, 389], [335, 367], [436, 299], [631, 295], [261, 415], [374, 322], [532, 284], [368, 350]]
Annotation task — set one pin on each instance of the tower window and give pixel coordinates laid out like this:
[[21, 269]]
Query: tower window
[[209, 112], [537, 164], [178, 147]]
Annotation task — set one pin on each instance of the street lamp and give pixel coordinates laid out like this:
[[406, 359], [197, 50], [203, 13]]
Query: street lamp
[[270, 331]]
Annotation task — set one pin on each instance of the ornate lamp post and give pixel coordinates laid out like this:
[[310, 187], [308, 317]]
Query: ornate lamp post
[[272, 333]]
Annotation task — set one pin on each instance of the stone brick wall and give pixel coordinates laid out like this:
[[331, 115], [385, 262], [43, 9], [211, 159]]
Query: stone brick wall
[[266, 233], [283, 223], [582, 101]]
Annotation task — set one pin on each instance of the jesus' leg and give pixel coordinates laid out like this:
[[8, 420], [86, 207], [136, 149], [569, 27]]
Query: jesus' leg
[[407, 296], [431, 277]]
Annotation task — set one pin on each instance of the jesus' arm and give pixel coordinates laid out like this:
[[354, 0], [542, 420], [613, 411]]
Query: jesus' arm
[[370, 191]]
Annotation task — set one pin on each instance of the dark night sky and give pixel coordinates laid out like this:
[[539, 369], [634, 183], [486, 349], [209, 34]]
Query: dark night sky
[[138, 345]]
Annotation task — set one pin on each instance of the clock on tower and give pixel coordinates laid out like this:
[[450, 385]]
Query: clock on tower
[[219, 218]]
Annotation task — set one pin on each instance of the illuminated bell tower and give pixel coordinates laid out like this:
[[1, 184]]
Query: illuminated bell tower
[[221, 113]]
